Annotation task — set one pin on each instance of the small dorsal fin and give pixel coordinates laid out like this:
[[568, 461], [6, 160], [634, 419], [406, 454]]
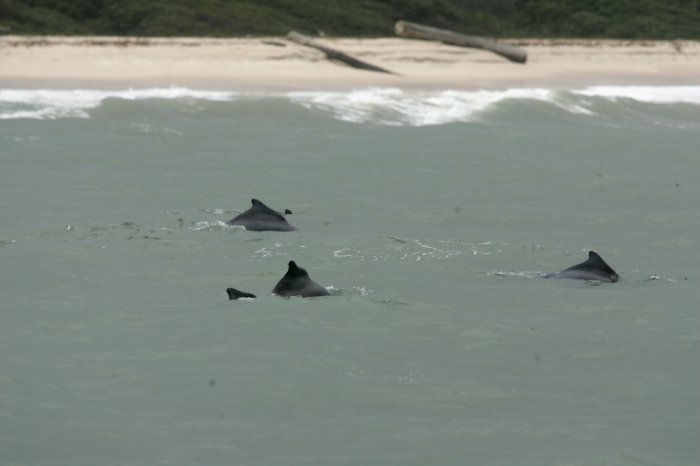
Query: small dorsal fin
[[235, 294], [296, 282], [594, 268], [259, 206], [261, 218], [295, 271], [596, 262]]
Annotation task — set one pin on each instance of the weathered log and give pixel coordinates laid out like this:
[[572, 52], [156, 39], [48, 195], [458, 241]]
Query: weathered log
[[418, 31], [333, 54]]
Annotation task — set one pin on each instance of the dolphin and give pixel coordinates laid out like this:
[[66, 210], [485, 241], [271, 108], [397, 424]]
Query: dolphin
[[297, 282], [594, 268], [261, 218], [235, 294]]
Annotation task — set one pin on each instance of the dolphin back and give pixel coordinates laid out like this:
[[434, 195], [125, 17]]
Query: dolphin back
[[236, 294], [595, 268], [261, 218], [297, 282]]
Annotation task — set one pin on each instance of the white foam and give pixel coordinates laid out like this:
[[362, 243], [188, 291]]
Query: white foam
[[51, 104], [381, 106], [525, 274], [214, 225], [647, 94], [392, 106]]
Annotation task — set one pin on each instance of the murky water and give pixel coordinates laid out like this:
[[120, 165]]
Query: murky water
[[428, 216]]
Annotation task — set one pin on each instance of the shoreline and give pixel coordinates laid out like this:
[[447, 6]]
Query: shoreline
[[273, 64]]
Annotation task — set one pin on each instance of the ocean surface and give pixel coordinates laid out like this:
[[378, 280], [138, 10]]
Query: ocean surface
[[429, 216]]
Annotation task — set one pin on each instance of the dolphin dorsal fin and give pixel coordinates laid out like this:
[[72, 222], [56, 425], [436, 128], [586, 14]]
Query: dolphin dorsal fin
[[596, 262], [260, 208], [234, 294], [295, 271], [261, 218]]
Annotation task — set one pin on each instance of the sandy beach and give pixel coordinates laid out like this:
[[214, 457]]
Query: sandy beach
[[275, 64]]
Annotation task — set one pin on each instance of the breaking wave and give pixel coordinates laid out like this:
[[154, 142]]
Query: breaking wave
[[48, 104], [379, 106], [646, 94]]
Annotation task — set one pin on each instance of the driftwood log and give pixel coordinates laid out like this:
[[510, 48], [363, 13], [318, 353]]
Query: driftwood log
[[418, 31], [333, 54]]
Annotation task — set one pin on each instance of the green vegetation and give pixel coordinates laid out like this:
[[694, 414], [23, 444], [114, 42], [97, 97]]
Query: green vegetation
[[619, 19]]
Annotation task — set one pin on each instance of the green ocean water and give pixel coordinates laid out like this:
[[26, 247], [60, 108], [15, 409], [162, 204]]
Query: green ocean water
[[440, 344]]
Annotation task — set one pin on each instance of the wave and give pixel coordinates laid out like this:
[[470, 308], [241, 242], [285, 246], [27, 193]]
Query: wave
[[391, 106], [45, 104], [379, 106], [646, 94]]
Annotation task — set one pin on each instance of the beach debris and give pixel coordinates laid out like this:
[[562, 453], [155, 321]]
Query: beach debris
[[418, 31], [333, 54], [275, 43], [678, 46]]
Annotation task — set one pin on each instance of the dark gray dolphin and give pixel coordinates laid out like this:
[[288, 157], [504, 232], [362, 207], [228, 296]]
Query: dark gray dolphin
[[261, 218], [235, 294], [298, 283], [594, 268]]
